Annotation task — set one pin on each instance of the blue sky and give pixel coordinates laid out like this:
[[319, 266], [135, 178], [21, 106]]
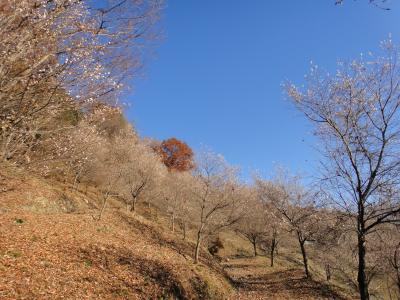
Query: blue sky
[[215, 79]]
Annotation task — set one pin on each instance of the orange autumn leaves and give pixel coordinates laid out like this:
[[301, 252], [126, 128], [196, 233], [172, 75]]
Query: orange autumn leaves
[[175, 154]]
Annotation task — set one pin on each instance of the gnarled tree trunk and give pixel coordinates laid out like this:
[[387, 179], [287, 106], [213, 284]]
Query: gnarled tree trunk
[[304, 254]]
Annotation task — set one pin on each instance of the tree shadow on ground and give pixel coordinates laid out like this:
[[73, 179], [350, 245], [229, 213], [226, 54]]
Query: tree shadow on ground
[[183, 248], [116, 264], [291, 281]]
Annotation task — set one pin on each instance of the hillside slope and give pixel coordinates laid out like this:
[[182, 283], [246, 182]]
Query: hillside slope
[[51, 247]]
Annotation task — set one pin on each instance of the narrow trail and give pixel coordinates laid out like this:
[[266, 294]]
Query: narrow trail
[[254, 279]]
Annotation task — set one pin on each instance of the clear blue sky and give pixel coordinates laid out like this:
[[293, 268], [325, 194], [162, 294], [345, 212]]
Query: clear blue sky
[[216, 77]]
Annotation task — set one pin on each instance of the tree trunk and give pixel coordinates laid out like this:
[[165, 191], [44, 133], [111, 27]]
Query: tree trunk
[[198, 242], [173, 222], [304, 254], [254, 247], [273, 246], [328, 271], [396, 266], [197, 251], [103, 206], [362, 276], [133, 207], [76, 181], [184, 230], [272, 256], [75, 184]]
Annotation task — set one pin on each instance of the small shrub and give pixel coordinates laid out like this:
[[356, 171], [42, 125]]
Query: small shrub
[[242, 253], [215, 246], [14, 253], [104, 229], [45, 263], [87, 263], [67, 204]]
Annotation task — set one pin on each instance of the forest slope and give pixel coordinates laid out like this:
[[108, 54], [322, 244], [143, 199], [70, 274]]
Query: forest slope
[[52, 247]]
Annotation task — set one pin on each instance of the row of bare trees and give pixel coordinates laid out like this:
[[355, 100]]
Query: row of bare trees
[[353, 209], [63, 64], [209, 198], [284, 211]]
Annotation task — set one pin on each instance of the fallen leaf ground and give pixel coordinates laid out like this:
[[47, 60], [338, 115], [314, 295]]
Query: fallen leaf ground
[[62, 256], [52, 248], [254, 279]]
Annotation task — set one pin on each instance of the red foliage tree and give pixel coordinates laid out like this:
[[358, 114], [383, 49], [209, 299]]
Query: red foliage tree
[[176, 155]]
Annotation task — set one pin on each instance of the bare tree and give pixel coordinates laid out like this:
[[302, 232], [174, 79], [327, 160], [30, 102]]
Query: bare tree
[[332, 246], [273, 228], [142, 170], [67, 151], [252, 226], [177, 197], [356, 116], [215, 205], [108, 176], [56, 52], [272, 220], [298, 208], [107, 169]]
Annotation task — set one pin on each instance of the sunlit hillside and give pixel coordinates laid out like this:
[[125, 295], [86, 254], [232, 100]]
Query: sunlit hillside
[[110, 187]]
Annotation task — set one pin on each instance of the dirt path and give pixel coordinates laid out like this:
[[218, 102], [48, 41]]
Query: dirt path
[[255, 280]]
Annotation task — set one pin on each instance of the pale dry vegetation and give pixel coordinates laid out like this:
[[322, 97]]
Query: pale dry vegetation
[[89, 209]]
